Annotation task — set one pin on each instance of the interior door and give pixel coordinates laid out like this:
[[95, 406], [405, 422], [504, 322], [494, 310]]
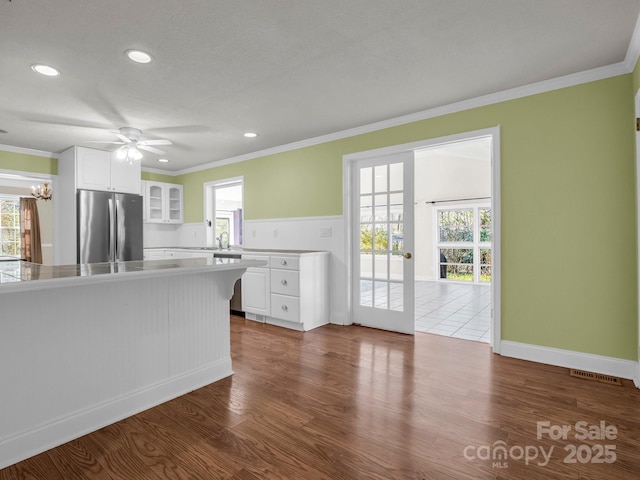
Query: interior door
[[382, 242]]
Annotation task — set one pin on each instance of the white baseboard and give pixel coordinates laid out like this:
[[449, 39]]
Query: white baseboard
[[569, 359], [27, 444]]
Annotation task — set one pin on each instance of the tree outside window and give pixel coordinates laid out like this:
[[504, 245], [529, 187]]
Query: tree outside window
[[464, 243], [10, 226]]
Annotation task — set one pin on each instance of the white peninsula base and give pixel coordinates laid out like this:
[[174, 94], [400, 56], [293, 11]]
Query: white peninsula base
[[79, 355]]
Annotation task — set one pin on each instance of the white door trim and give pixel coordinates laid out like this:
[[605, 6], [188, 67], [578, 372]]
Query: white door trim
[[494, 132], [637, 108]]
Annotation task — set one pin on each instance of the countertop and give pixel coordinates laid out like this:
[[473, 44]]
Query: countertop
[[239, 250], [19, 275]]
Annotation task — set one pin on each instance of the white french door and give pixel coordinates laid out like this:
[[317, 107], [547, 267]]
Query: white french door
[[382, 242]]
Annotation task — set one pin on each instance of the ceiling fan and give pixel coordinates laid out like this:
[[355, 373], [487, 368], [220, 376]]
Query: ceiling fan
[[130, 139]]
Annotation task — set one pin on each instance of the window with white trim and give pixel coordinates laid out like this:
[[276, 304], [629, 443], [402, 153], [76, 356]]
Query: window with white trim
[[463, 244], [10, 226]]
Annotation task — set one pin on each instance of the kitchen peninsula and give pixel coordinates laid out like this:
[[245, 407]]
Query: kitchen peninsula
[[83, 346]]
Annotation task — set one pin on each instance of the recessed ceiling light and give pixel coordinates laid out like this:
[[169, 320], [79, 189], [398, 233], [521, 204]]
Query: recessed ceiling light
[[45, 70], [139, 56], [163, 160], [250, 135]]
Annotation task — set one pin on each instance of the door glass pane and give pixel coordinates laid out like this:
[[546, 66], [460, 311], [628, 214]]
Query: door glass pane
[[381, 208], [396, 300], [381, 295], [380, 181], [381, 267], [396, 172], [366, 179], [381, 238], [396, 268], [366, 244], [366, 293], [396, 203], [366, 208], [397, 238]]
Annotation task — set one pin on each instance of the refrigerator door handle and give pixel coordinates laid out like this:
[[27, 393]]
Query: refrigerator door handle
[[117, 229], [111, 231]]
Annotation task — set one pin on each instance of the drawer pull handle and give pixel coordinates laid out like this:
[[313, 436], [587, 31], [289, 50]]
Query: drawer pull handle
[[283, 282], [285, 308], [283, 262]]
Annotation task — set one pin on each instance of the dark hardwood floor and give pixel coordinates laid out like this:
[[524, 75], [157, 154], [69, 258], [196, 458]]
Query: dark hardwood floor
[[357, 403]]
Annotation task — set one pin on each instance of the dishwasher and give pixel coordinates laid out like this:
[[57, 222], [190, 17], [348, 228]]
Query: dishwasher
[[235, 304]]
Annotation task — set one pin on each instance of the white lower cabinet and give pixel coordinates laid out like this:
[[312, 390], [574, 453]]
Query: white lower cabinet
[[292, 292], [255, 290], [285, 307]]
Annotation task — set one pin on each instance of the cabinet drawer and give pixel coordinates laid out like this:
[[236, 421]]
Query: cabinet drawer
[[264, 258], [284, 263], [285, 307], [285, 282]]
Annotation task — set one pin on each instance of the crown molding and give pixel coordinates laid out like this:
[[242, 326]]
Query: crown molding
[[633, 52], [160, 171], [27, 151], [544, 86]]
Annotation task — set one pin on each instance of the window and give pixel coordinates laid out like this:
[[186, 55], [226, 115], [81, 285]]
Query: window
[[223, 211], [222, 225], [464, 243], [10, 226]]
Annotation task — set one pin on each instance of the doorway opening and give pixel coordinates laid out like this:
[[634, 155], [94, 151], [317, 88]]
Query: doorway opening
[[224, 200], [461, 252], [453, 239]]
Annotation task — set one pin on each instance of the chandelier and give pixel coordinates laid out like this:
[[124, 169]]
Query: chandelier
[[42, 192]]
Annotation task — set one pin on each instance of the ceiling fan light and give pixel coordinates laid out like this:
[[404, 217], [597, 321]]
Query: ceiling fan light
[[45, 70], [139, 56], [121, 153], [135, 154]]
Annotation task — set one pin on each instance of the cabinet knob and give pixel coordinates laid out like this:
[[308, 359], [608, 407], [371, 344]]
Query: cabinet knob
[[283, 282], [285, 308], [283, 262]]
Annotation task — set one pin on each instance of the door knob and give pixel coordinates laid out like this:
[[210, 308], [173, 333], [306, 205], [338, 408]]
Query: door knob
[[407, 255]]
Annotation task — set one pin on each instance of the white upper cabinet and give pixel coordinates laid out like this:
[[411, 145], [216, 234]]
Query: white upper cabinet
[[100, 170], [163, 202]]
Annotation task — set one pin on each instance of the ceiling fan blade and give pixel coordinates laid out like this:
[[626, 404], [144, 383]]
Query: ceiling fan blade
[[123, 138], [157, 151], [155, 142], [101, 141]]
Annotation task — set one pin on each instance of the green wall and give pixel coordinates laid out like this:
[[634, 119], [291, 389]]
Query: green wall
[[568, 207], [158, 177], [28, 163]]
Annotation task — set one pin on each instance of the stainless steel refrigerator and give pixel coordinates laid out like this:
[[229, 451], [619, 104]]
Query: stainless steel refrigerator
[[109, 226]]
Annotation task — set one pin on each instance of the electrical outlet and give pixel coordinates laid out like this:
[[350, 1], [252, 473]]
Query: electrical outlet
[[253, 233], [326, 232], [275, 232]]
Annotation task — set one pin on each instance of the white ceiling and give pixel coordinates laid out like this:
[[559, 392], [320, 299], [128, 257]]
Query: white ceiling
[[288, 69]]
